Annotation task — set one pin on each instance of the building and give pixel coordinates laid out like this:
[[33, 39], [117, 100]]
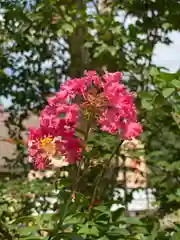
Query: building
[[7, 148]]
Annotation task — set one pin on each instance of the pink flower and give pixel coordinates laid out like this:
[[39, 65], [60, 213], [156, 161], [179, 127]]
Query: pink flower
[[72, 150], [110, 100], [90, 73], [77, 86], [121, 108], [41, 162], [92, 77], [55, 134], [112, 77], [105, 98], [46, 143], [61, 115], [59, 97], [48, 116], [73, 87], [131, 130], [109, 120], [68, 112]]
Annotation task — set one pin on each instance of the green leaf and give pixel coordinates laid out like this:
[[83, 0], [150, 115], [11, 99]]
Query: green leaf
[[146, 104], [88, 44], [103, 209], [68, 27], [176, 83], [28, 231], [88, 230], [140, 229], [75, 219], [60, 184], [167, 92], [168, 77], [102, 222], [25, 219], [115, 231], [159, 101], [146, 95], [154, 232], [63, 211], [103, 238], [154, 71], [34, 238], [166, 25], [133, 221], [68, 235]]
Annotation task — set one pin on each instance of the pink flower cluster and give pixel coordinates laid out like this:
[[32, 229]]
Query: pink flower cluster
[[111, 105], [55, 137]]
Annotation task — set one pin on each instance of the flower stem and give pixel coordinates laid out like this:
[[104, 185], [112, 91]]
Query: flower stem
[[86, 133], [102, 173]]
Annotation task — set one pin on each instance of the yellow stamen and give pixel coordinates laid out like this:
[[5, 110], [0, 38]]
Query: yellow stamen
[[48, 145], [86, 114]]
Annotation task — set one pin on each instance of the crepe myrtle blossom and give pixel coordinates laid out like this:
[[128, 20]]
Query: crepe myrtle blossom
[[59, 116], [106, 98], [55, 137], [45, 144]]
